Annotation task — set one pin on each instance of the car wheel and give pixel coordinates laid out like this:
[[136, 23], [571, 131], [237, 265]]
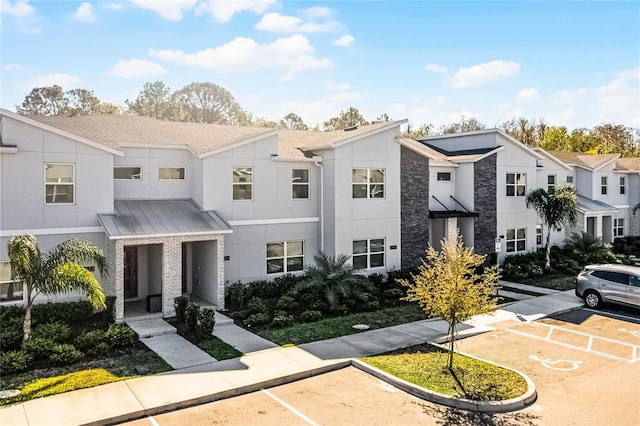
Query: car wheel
[[592, 299]]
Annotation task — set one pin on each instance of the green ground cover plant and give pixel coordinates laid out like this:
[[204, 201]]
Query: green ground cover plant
[[219, 349]]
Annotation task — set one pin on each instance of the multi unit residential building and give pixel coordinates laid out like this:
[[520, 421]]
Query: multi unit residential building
[[189, 208]]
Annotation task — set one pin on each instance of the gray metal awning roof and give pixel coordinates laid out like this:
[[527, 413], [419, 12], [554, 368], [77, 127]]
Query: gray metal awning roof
[[153, 218], [587, 205]]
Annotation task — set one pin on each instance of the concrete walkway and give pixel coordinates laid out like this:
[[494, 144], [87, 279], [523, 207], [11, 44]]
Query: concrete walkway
[[206, 382]]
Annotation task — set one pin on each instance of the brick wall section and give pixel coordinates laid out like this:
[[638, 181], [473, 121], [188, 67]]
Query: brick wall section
[[414, 209], [485, 193]]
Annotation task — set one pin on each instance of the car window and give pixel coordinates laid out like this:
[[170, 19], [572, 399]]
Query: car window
[[616, 277], [634, 281]]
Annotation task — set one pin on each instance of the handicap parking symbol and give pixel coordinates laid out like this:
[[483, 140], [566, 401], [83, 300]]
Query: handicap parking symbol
[[559, 364]]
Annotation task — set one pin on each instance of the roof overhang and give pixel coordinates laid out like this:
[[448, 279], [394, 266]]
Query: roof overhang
[[589, 206], [239, 143], [443, 214]]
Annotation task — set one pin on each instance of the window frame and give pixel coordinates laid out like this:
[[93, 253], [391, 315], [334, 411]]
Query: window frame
[[618, 227], [516, 240], [551, 186], [11, 281], [539, 235], [368, 253], [369, 185], [234, 183], [623, 185], [515, 184], [569, 179], [300, 184], [129, 167], [439, 174], [603, 185], [184, 168], [72, 184], [285, 257]]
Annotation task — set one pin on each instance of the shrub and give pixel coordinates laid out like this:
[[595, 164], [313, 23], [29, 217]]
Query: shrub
[[257, 319], [206, 322], [191, 316], [281, 319], [286, 303], [14, 362], [8, 313], [64, 354], [311, 316], [237, 294], [284, 284], [39, 347], [99, 350], [394, 293], [339, 310], [372, 305], [68, 312], [11, 333], [180, 303], [86, 341], [257, 306], [120, 336], [110, 301], [55, 331]]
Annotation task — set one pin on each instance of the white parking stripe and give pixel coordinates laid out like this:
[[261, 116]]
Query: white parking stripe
[[290, 408], [153, 421]]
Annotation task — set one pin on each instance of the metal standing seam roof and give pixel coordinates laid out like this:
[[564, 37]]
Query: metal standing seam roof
[[148, 218], [587, 205]]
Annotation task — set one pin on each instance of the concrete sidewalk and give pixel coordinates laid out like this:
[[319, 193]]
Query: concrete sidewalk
[[206, 382]]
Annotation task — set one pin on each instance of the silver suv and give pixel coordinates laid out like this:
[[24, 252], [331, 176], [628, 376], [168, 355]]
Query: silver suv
[[598, 284]]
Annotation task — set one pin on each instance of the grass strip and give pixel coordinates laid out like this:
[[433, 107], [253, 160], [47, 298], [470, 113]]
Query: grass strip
[[425, 366], [520, 291], [219, 349]]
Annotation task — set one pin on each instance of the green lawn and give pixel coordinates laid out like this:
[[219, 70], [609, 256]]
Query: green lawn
[[425, 366], [219, 349]]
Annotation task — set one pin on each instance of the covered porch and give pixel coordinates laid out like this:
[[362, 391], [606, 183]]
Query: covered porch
[[450, 220], [596, 218]]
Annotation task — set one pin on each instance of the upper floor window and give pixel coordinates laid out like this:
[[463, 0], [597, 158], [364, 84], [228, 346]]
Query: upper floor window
[[172, 173], [285, 256], [516, 184], [300, 183], [10, 288], [516, 240], [551, 184], [243, 183], [59, 183], [623, 185], [368, 183], [570, 180], [444, 176], [603, 185], [618, 227], [368, 253], [127, 173]]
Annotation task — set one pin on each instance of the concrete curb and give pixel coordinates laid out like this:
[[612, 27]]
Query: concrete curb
[[512, 404]]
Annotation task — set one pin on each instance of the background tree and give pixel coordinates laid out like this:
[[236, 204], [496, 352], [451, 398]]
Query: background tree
[[465, 125], [293, 121], [450, 285], [529, 132], [349, 118], [420, 132], [108, 108], [43, 101], [264, 122], [56, 271], [555, 209], [153, 101], [81, 102], [384, 118], [207, 103]]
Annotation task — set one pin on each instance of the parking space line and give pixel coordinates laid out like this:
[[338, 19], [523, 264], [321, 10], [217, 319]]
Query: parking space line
[[153, 421], [290, 408]]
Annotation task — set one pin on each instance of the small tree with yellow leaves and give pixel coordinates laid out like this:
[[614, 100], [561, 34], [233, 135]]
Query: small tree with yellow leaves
[[453, 286]]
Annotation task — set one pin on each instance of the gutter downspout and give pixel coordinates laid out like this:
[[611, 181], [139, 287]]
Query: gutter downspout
[[317, 163]]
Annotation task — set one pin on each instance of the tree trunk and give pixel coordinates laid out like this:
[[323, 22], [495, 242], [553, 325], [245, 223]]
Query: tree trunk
[[451, 335], [27, 315], [547, 261]]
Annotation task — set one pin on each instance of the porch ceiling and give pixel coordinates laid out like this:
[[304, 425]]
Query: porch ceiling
[[146, 218], [434, 214]]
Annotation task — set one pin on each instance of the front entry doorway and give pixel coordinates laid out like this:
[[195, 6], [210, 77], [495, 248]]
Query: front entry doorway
[[130, 272]]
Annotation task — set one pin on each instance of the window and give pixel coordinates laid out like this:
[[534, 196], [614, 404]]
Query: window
[[618, 227], [603, 185], [10, 289], [538, 235], [127, 173], [444, 176], [368, 183], [243, 183], [616, 277], [287, 256], [59, 183], [516, 184], [570, 179], [368, 253], [171, 173], [622, 185], [551, 184], [300, 183], [516, 240]]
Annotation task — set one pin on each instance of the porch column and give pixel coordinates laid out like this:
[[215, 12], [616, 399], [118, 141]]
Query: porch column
[[118, 275], [452, 229], [171, 274], [220, 282]]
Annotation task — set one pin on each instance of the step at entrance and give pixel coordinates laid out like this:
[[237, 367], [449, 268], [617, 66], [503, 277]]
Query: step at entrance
[[151, 327]]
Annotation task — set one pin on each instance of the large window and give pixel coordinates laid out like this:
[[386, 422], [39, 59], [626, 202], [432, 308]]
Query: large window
[[300, 183], [59, 183], [603, 185], [516, 184], [286, 256], [444, 176], [172, 173], [516, 240], [623, 185], [618, 227], [551, 184], [368, 183], [368, 253], [243, 183], [538, 235], [10, 288], [127, 173]]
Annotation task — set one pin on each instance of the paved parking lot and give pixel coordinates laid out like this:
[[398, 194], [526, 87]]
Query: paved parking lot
[[585, 366]]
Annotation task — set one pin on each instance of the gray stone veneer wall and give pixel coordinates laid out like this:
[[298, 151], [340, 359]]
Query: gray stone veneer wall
[[484, 201], [414, 209]]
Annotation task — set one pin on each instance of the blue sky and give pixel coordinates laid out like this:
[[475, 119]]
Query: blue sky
[[573, 63]]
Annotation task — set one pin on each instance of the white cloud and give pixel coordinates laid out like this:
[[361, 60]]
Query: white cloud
[[293, 55], [137, 68], [170, 10], [435, 68], [343, 96], [439, 100], [633, 74], [397, 109], [528, 95], [619, 101], [23, 13], [275, 22], [223, 10], [312, 112], [505, 105], [484, 73], [84, 13], [10, 67], [344, 40], [66, 81], [316, 12], [560, 118], [112, 6], [567, 96], [335, 87]]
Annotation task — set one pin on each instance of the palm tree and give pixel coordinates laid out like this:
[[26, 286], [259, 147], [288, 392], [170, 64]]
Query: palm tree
[[56, 271], [590, 248], [554, 208]]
